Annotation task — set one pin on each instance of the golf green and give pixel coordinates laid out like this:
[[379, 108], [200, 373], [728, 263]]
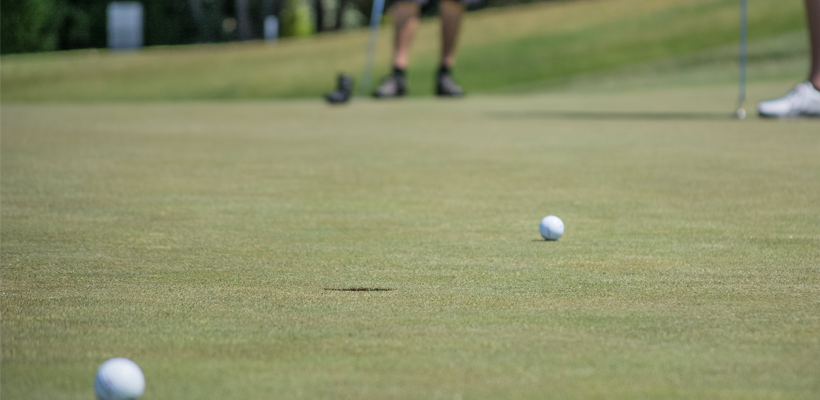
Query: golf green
[[200, 240]]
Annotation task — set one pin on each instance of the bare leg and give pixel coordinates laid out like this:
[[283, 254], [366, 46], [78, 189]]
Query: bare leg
[[405, 21], [451, 12], [813, 13]]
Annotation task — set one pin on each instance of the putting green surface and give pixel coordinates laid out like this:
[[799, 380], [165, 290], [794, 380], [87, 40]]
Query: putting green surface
[[199, 239]]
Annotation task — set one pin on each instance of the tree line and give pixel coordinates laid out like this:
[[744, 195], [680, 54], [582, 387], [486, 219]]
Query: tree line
[[49, 25]]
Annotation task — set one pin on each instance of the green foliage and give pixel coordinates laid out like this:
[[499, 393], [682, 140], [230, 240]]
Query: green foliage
[[168, 22], [29, 25], [82, 27], [365, 7], [44, 25], [295, 19]]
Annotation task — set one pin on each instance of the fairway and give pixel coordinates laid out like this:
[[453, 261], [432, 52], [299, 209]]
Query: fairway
[[199, 239]]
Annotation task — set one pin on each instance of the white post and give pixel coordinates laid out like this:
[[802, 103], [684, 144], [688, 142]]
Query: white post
[[271, 28], [125, 20]]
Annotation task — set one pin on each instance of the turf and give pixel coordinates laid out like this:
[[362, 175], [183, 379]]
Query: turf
[[513, 49], [775, 59], [199, 238]]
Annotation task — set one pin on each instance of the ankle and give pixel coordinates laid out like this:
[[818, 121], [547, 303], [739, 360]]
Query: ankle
[[443, 69], [399, 72]]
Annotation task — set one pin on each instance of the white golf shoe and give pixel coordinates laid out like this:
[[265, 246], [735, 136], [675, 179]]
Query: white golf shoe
[[803, 101]]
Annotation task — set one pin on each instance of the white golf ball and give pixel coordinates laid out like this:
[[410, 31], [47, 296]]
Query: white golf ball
[[741, 113], [119, 379], [552, 227]]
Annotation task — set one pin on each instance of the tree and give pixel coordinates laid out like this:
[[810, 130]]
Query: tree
[[198, 14], [340, 13], [29, 25], [319, 14], [295, 19], [243, 20]]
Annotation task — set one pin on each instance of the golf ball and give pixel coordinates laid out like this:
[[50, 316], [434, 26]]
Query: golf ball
[[741, 113], [552, 227], [119, 379]]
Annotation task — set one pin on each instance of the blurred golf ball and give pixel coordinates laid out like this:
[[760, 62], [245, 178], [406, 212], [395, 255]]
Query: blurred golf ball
[[741, 113], [552, 227], [119, 379]]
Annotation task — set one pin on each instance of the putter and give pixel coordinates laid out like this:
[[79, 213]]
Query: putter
[[741, 97], [344, 88], [372, 40]]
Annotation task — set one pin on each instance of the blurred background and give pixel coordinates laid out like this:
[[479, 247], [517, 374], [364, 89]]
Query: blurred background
[[56, 50], [48, 25]]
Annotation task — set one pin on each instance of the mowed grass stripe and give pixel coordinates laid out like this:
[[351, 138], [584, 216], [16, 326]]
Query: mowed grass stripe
[[630, 40]]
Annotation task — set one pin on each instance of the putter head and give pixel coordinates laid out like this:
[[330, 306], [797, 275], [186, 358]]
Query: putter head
[[344, 90]]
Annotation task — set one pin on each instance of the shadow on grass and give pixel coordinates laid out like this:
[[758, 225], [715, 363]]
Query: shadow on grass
[[606, 115]]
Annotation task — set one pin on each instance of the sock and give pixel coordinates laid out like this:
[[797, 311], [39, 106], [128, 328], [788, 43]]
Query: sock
[[398, 71], [443, 69]]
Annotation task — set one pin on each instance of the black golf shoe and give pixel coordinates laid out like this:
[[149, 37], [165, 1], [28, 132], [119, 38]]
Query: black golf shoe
[[446, 86], [392, 86], [344, 89]]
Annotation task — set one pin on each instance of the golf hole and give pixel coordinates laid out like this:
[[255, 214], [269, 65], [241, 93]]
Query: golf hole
[[359, 289]]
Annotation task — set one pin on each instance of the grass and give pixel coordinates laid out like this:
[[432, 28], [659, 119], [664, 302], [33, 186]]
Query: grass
[[508, 50], [197, 239], [776, 59]]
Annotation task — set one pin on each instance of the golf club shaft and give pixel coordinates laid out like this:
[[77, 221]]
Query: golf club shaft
[[743, 22], [372, 40]]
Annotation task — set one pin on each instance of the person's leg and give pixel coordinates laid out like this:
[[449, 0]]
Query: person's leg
[[405, 15], [451, 12], [804, 100], [405, 22], [813, 14]]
